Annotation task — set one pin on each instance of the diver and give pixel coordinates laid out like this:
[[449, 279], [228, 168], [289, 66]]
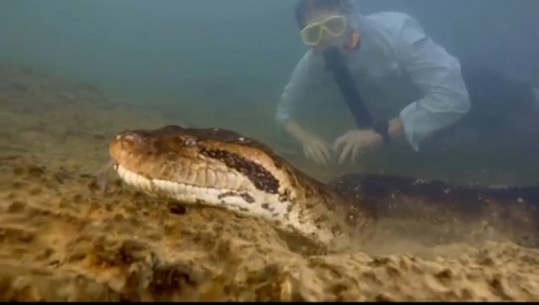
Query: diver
[[374, 49]]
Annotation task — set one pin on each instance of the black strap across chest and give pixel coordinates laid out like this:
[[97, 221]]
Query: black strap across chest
[[345, 82]]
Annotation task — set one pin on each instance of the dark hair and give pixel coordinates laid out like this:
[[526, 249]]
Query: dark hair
[[302, 6]]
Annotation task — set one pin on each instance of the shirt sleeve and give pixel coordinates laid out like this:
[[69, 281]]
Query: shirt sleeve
[[438, 75], [304, 77]]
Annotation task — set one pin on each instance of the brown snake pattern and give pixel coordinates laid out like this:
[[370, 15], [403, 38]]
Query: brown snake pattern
[[221, 168]]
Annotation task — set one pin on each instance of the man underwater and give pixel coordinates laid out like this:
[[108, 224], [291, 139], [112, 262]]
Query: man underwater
[[382, 45]]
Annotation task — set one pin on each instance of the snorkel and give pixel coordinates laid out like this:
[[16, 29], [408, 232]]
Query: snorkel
[[335, 62], [353, 35]]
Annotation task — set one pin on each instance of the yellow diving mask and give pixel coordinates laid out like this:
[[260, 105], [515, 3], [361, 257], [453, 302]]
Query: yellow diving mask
[[334, 25]]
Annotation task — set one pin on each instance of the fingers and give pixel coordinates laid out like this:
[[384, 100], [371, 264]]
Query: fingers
[[351, 150], [339, 142], [320, 152], [355, 152], [324, 150], [317, 152], [346, 151], [312, 154]]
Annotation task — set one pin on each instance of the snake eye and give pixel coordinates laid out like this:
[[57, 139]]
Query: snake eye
[[189, 142]]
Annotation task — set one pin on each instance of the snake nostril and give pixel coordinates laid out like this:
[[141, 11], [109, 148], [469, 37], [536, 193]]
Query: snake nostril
[[189, 142]]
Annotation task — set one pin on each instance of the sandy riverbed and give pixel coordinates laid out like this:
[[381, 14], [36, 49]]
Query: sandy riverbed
[[63, 238]]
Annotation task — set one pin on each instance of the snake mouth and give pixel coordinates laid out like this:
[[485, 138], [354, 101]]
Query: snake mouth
[[197, 195]]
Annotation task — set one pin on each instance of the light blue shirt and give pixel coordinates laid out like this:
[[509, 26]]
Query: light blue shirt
[[391, 44]]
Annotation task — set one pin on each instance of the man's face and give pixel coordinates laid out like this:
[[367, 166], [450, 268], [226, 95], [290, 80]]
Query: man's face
[[324, 28]]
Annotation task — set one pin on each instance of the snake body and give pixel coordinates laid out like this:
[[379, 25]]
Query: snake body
[[224, 169]]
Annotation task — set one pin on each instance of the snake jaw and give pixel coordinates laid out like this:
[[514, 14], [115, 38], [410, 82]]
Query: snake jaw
[[264, 206]]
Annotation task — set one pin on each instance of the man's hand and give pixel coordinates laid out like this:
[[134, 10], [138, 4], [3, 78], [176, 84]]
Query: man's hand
[[315, 148], [355, 141]]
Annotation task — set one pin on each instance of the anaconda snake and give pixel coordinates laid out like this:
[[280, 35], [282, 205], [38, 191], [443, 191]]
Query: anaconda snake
[[221, 168]]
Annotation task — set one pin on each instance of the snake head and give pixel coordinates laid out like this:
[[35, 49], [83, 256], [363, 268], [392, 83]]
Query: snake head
[[209, 158], [150, 142]]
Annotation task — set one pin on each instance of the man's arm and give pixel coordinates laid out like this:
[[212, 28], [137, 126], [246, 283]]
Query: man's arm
[[303, 79], [438, 75]]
